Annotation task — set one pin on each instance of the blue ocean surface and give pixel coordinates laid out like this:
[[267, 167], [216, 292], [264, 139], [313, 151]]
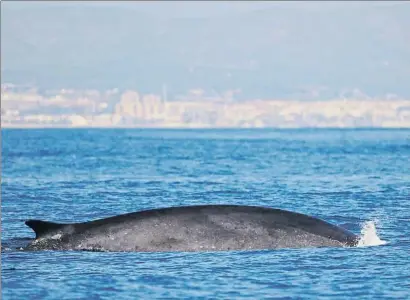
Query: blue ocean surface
[[358, 179]]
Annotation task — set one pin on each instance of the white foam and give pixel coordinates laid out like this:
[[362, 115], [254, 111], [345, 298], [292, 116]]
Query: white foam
[[56, 236], [368, 235]]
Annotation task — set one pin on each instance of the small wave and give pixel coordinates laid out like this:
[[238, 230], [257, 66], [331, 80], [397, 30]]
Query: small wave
[[368, 235]]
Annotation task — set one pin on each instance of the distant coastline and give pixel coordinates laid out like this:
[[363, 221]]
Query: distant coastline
[[29, 108]]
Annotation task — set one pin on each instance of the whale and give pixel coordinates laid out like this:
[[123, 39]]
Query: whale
[[192, 228]]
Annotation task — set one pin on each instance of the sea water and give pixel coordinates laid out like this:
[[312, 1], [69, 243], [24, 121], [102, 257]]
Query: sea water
[[358, 179]]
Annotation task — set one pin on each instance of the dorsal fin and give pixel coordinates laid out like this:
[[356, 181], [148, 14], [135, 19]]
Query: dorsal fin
[[43, 227]]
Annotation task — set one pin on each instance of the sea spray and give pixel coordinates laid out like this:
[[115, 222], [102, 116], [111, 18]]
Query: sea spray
[[368, 235]]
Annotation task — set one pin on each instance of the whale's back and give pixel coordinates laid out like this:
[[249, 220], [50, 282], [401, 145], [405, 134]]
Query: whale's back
[[198, 228]]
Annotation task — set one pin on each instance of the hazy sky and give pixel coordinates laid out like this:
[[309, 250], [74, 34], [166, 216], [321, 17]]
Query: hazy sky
[[364, 45], [201, 8], [169, 8]]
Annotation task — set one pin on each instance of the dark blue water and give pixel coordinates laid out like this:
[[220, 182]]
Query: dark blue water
[[359, 179]]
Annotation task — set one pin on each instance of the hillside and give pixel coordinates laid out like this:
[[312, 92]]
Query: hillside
[[286, 51]]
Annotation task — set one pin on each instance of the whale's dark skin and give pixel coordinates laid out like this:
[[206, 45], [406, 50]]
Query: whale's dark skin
[[193, 228]]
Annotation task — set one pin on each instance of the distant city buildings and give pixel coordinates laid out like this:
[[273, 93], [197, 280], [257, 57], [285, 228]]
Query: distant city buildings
[[27, 107]]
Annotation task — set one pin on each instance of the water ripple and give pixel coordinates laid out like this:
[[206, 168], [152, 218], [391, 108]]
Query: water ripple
[[358, 179]]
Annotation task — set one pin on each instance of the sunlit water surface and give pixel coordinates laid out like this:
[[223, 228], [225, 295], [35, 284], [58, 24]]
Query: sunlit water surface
[[358, 179]]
